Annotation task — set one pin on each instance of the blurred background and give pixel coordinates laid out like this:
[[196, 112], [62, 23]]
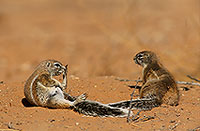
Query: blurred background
[[98, 37]]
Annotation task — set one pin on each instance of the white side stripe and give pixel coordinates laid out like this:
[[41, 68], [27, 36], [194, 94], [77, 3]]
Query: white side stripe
[[31, 89]]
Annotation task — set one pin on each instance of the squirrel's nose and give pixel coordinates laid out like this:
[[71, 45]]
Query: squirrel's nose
[[135, 59]]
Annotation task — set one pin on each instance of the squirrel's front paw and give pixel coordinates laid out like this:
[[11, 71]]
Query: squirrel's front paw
[[83, 96]]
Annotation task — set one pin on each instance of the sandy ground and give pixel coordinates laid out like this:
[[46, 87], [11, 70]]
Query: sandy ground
[[15, 115], [98, 40]]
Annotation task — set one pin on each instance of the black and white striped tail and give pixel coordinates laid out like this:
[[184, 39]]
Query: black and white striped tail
[[91, 108], [141, 104]]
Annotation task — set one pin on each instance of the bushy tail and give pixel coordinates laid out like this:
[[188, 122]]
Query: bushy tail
[[92, 108], [141, 104]]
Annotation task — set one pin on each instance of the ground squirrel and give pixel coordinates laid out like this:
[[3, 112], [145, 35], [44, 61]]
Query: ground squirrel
[[158, 85], [41, 89]]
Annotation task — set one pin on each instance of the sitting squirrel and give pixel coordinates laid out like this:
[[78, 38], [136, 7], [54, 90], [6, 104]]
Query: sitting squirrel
[[41, 89], [158, 85]]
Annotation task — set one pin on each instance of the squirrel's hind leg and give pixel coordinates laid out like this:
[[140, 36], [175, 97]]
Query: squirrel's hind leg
[[56, 99]]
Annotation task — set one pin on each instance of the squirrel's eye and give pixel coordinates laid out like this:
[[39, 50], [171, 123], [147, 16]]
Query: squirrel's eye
[[48, 64], [140, 56], [57, 65]]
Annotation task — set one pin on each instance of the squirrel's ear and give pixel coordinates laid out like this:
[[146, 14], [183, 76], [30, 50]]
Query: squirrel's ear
[[48, 64]]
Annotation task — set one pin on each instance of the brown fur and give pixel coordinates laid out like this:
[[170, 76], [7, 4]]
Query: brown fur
[[157, 80], [42, 89]]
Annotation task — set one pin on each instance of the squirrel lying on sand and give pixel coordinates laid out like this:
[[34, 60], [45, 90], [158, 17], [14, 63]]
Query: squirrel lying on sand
[[41, 89]]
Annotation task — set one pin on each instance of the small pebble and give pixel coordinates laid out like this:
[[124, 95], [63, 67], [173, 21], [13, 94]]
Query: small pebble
[[10, 125], [172, 121], [52, 120], [77, 123]]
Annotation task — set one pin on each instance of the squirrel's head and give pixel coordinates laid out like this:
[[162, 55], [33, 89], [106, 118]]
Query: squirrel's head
[[54, 67], [145, 57]]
